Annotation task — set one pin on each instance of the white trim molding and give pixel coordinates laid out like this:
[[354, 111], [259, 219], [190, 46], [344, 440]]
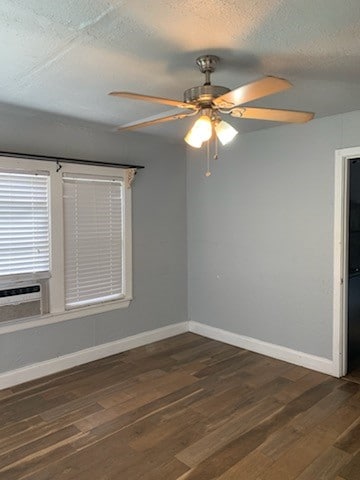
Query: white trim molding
[[320, 364], [50, 318], [54, 365]]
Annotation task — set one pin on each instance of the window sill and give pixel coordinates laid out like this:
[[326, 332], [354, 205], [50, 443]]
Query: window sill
[[56, 317]]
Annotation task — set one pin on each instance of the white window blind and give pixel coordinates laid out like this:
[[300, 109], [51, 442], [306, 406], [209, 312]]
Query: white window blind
[[24, 224], [93, 224]]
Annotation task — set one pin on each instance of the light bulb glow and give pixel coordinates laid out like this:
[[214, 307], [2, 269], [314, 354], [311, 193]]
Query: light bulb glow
[[193, 139], [200, 132], [203, 128], [225, 132]]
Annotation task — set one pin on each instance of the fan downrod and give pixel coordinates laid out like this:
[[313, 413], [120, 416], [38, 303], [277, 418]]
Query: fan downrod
[[203, 95]]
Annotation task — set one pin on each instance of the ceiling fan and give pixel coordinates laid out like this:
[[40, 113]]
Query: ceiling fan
[[211, 101]]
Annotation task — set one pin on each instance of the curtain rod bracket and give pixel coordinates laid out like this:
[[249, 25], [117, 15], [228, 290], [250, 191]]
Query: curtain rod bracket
[[130, 175]]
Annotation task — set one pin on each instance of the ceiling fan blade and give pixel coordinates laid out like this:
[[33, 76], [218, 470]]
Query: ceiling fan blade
[[252, 91], [274, 115], [148, 98], [148, 123]]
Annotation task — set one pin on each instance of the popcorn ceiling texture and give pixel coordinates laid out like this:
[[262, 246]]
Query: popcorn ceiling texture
[[64, 57]]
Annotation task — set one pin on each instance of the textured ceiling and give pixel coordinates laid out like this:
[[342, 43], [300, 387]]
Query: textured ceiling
[[63, 57]]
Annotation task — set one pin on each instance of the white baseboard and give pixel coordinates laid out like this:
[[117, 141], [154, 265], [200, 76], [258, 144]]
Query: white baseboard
[[306, 360], [41, 369], [48, 367]]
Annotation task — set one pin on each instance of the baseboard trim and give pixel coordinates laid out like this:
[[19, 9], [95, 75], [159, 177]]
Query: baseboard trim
[[307, 360], [54, 365]]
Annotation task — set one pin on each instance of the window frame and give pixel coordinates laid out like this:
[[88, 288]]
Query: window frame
[[56, 282]]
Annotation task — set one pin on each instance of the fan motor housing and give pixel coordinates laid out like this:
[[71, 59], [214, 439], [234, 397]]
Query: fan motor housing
[[204, 94]]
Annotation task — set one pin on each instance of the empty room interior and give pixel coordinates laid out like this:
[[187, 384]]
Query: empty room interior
[[180, 297]]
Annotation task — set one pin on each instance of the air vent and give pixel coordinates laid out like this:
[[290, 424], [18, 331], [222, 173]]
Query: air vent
[[11, 292], [22, 301]]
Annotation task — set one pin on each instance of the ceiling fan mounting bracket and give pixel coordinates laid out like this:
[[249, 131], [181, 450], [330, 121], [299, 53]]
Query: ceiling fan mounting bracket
[[207, 63]]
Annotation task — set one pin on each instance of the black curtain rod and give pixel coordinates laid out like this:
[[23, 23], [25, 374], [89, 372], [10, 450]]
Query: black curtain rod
[[67, 160]]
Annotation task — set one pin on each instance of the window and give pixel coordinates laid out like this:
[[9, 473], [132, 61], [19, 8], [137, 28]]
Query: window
[[68, 230], [24, 225], [93, 239]]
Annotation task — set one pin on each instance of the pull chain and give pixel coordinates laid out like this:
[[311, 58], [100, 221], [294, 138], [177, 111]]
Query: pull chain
[[216, 156], [208, 173]]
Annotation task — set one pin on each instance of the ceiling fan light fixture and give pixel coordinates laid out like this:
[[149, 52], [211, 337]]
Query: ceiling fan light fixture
[[211, 102], [193, 139], [203, 128], [225, 132]]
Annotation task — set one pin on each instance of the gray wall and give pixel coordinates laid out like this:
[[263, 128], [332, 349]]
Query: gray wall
[[260, 234], [159, 235]]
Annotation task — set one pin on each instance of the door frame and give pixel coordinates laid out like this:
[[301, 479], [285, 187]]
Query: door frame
[[341, 250]]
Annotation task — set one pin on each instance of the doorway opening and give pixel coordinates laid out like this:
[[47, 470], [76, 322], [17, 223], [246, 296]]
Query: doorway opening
[[346, 338], [353, 270]]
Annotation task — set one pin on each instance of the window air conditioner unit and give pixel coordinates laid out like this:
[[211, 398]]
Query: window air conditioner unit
[[23, 300]]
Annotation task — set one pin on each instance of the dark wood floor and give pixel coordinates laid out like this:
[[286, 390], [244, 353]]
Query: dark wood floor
[[183, 408], [354, 375]]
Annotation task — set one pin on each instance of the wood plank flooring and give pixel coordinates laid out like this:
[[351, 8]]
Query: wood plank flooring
[[354, 375], [186, 408]]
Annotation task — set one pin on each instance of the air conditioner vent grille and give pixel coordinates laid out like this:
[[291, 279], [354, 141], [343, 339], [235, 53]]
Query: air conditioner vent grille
[[9, 292], [23, 300]]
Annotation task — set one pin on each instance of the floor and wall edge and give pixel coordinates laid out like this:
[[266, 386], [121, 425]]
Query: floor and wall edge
[[320, 364], [54, 365]]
